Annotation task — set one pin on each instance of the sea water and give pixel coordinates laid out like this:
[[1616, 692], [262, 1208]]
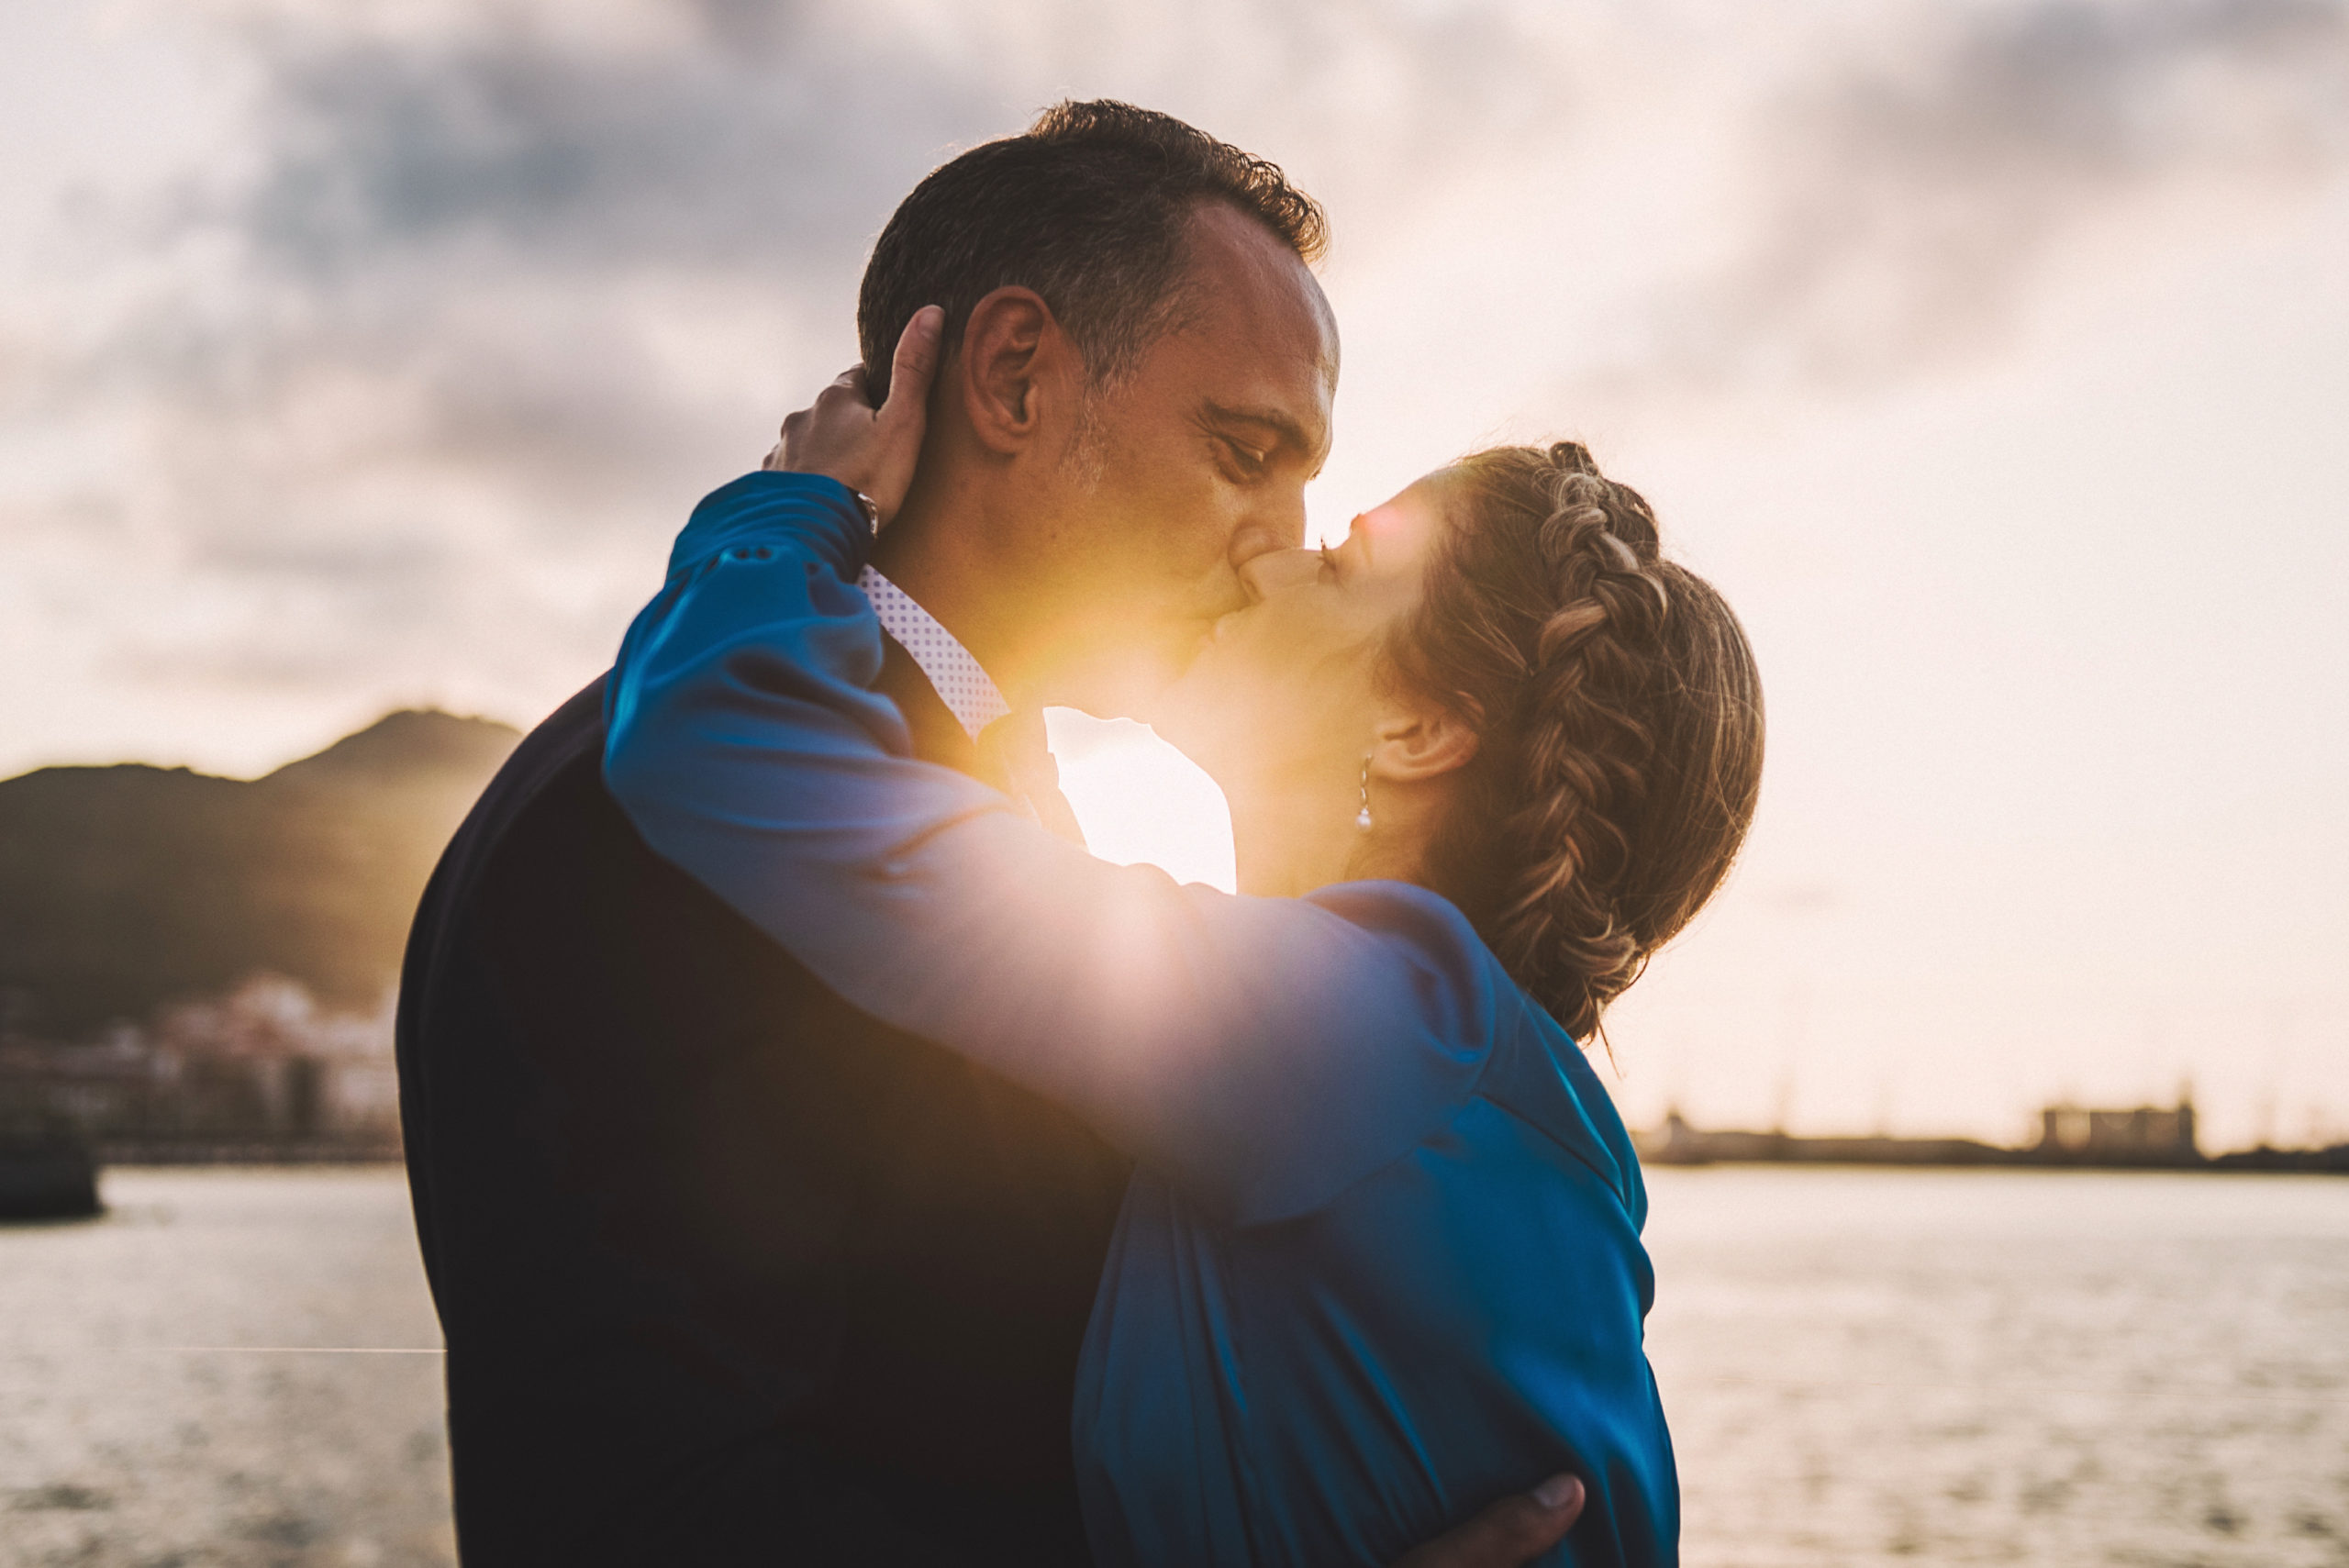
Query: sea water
[[1861, 1367], [173, 1390], [1990, 1366]]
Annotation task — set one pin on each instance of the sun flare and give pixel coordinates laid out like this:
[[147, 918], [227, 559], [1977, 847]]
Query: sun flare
[[1140, 800]]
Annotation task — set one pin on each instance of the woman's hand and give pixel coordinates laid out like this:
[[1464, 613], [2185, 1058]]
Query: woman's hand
[[872, 450]]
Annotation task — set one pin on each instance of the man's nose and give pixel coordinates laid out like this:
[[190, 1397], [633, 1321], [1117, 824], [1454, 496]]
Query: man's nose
[[1269, 571]]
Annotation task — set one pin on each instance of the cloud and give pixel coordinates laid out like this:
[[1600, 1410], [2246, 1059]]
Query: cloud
[[499, 288], [492, 242], [775, 134], [1906, 201], [414, 386], [747, 141]]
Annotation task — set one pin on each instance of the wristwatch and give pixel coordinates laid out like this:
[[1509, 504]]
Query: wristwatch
[[870, 508]]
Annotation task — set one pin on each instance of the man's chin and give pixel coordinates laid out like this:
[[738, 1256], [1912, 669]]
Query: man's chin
[[1137, 684]]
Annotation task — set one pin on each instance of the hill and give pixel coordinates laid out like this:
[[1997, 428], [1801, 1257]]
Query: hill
[[124, 887]]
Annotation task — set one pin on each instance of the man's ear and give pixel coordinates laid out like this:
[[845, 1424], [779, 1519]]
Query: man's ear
[[1414, 744], [1008, 354]]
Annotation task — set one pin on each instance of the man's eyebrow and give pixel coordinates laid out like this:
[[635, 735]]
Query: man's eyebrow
[[1291, 433]]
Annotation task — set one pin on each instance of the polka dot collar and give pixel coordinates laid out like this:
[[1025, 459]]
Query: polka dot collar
[[968, 692]]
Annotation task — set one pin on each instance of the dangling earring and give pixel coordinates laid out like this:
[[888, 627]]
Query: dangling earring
[[1362, 818]]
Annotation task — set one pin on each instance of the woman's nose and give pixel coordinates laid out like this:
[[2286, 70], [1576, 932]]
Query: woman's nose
[[1266, 574]]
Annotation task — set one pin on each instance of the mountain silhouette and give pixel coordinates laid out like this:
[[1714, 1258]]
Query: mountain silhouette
[[124, 887]]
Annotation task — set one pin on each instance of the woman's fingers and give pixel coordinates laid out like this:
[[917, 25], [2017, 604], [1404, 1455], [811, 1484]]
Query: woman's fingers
[[914, 365], [793, 432], [900, 422], [869, 450]]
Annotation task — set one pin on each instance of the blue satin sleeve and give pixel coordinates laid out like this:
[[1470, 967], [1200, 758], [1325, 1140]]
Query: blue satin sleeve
[[1261, 1053]]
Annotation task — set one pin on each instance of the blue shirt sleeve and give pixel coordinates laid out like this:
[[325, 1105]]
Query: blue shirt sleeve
[[1263, 1053]]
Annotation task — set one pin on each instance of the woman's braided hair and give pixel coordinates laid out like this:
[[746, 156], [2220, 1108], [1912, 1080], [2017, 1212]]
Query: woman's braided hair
[[1619, 715]]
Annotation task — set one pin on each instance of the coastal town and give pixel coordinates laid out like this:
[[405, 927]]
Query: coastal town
[[2140, 1138]]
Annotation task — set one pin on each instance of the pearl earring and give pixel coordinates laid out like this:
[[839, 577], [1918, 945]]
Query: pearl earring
[[1362, 818]]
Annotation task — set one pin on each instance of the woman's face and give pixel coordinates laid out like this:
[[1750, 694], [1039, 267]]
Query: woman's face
[[1290, 684]]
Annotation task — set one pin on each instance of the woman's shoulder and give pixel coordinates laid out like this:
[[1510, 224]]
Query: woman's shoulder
[[1412, 914], [1545, 1077], [1526, 1063]]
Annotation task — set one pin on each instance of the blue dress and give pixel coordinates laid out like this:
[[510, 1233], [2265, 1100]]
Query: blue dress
[[1380, 1263]]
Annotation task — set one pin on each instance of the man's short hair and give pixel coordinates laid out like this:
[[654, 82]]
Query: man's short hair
[[1089, 206]]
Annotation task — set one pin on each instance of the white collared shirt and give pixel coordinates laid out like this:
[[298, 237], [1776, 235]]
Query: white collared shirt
[[969, 693]]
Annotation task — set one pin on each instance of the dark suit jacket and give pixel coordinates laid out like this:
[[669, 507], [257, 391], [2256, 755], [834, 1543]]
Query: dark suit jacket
[[729, 1271]]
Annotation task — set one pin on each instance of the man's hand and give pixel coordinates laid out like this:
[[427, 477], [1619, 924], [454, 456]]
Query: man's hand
[[1511, 1533], [871, 450]]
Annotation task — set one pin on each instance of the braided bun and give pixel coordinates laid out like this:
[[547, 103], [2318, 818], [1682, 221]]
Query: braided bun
[[1620, 720]]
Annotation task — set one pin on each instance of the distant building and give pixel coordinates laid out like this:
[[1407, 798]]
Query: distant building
[[2146, 1138], [2147, 1135], [262, 1073], [1679, 1142]]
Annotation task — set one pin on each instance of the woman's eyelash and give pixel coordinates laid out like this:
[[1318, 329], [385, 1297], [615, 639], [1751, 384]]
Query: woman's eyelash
[[1329, 561]]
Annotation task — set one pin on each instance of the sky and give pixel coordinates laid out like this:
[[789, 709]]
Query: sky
[[1991, 355]]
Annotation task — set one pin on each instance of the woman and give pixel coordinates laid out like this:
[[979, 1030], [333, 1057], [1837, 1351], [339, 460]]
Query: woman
[[1381, 1252]]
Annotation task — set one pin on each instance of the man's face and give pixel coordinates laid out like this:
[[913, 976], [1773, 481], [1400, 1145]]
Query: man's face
[[1199, 459]]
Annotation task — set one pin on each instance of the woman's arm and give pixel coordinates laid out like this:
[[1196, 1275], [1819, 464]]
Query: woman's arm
[[1263, 1053]]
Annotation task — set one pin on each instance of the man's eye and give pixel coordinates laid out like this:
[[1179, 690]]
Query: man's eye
[[1250, 461]]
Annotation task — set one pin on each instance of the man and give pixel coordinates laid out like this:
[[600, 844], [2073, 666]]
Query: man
[[730, 1273]]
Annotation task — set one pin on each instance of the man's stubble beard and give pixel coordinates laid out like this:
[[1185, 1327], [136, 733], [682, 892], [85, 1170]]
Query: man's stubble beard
[[1084, 463], [1122, 677]]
